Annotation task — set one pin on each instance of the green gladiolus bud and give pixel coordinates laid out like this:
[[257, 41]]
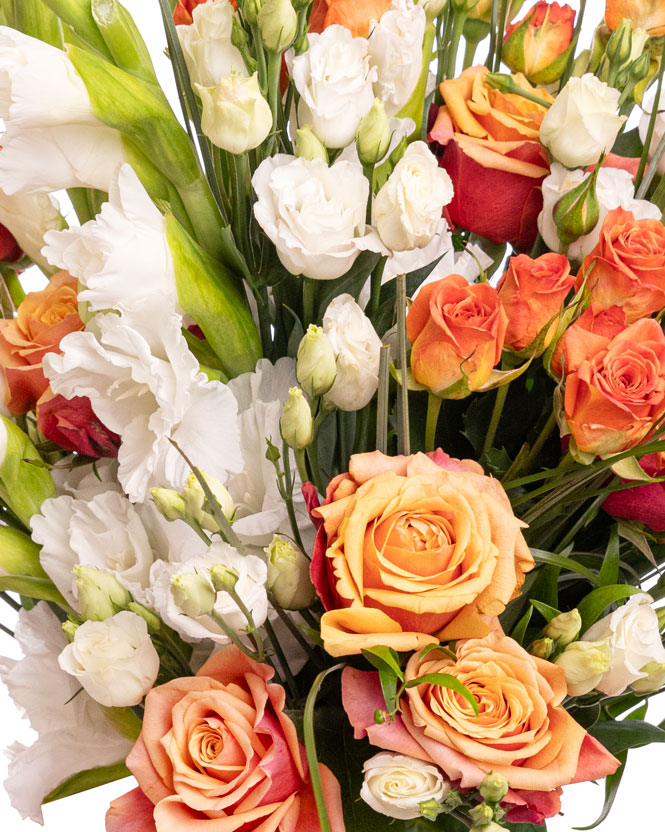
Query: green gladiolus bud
[[100, 594], [278, 24], [373, 136], [288, 575], [493, 787], [193, 593], [564, 628], [296, 420], [308, 146], [315, 365]]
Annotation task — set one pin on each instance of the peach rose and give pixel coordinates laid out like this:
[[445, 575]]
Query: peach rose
[[42, 321], [493, 156], [532, 293], [522, 730], [643, 14], [456, 330], [217, 752], [414, 549], [627, 266], [355, 15], [615, 387], [606, 323]]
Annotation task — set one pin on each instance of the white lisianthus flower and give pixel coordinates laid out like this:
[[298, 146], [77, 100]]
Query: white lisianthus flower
[[29, 217], [74, 732], [314, 214], [582, 123], [584, 664], [614, 189], [334, 79], [407, 209], [114, 660], [121, 257], [632, 633], [206, 43], [145, 385], [251, 572], [395, 49], [395, 785], [357, 353], [658, 130], [236, 117]]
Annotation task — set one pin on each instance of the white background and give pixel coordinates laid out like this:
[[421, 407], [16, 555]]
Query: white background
[[641, 791]]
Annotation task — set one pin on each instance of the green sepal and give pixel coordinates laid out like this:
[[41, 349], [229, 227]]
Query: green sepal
[[34, 18], [19, 555], [23, 486], [78, 16], [123, 39]]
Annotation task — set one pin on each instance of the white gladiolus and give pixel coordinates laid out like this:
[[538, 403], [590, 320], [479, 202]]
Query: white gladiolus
[[114, 660], [582, 123], [334, 79], [407, 209], [357, 350], [236, 117], [29, 217], [206, 44], [395, 785]]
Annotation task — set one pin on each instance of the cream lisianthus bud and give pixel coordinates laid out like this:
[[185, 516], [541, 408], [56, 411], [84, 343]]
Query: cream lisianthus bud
[[654, 680], [564, 628], [395, 785], [433, 8], [114, 660], [481, 814], [193, 593], [236, 117], [197, 503], [223, 578], [584, 663], [288, 575], [493, 787], [100, 595], [296, 420], [542, 648], [169, 503], [373, 136], [315, 364], [308, 146], [278, 23]]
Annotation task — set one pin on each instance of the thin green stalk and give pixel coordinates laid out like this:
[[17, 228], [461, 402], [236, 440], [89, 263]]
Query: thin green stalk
[[235, 639], [288, 491], [497, 410], [459, 18], [499, 36], [301, 464], [382, 400], [295, 632], [368, 170], [442, 28], [281, 658], [470, 50], [658, 196], [265, 331], [308, 301], [570, 63], [433, 409], [9, 600], [313, 451], [274, 92], [494, 28], [541, 439], [403, 438], [652, 125], [261, 66], [651, 172], [375, 288], [309, 618], [580, 523], [13, 285], [6, 630]]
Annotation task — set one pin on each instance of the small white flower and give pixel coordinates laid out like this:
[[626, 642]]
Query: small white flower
[[236, 117], [584, 664], [206, 43], [395, 785]]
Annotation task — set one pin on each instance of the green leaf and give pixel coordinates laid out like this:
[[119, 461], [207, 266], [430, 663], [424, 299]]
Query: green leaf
[[445, 680], [350, 283], [89, 779], [41, 588], [638, 539], [609, 571], [384, 658], [629, 468], [23, 486], [545, 610], [587, 717], [628, 143], [388, 682], [428, 648], [563, 562], [612, 782], [596, 602], [618, 736], [519, 631]]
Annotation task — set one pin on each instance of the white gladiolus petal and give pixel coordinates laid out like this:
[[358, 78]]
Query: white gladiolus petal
[[29, 217]]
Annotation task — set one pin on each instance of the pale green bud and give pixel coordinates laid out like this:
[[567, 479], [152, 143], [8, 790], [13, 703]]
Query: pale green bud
[[373, 136], [169, 503], [542, 648], [151, 618], [578, 211], [493, 787], [481, 814], [69, 628], [584, 664], [198, 506], [430, 809], [100, 594], [288, 575], [433, 8], [654, 680], [315, 365], [618, 47], [193, 594], [239, 37], [250, 11], [564, 628], [295, 423], [489, 827], [278, 23], [223, 578], [309, 146], [453, 800]]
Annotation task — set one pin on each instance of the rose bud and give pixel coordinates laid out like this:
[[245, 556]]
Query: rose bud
[[577, 213], [493, 787], [540, 44], [373, 136], [396, 785], [315, 364], [295, 423], [194, 594], [288, 575], [584, 664], [565, 627], [278, 23], [100, 594], [308, 146], [236, 117]]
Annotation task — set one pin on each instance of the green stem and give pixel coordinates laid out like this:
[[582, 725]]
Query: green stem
[[459, 19], [313, 451], [233, 636], [6, 630], [382, 400], [641, 192], [308, 301], [263, 304], [301, 464], [274, 92], [288, 490], [497, 410], [581, 522], [281, 658], [13, 285], [368, 170], [9, 600], [444, 28], [404, 438], [261, 67], [505, 84], [375, 288], [470, 50], [433, 410], [498, 46], [541, 439], [295, 632], [494, 27]]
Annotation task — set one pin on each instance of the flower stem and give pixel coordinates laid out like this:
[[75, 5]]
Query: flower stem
[[433, 409], [295, 632], [382, 400], [281, 658], [308, 301], [233, 636], [541, 439], [403, 437], [459, 19], [288, 489], [497, 410]]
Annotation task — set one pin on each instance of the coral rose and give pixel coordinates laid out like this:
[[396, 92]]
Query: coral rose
[[615, 387], [627, 266], [532, 293], [355, 15], [643, 14], [457, 330], [493, 156], [605, 323], [217, 752], [522, 730], [412, 549]]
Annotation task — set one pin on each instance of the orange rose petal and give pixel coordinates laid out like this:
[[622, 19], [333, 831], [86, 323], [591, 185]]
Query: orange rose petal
[[493, 155], [346, 632], [173, 815], [455, 93]]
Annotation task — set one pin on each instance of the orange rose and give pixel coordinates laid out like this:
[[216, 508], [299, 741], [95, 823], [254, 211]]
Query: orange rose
[[413, 549], [615, 387], [643, 14], [595, 320], [43, 320], [493, 156], [217, 752], [456, 330], [539, 44], [627, 266], [354, 14], [532, 293], [522, 730]]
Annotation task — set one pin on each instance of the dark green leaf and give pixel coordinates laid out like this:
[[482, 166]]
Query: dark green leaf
[[545, 610], [609, 571], [596, 602], [553, 559], [351, 283], [519, 631], [389, 689], [628, 143], [496, 461], [611, 787], [618, 736], [88, 780], [434, 646], [444, 680], [587, 717], [384, 658]]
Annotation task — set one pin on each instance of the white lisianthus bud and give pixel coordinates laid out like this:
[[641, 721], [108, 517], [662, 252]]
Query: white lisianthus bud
[[308, 146], [373, 136], [357, 352], [250, 11], [654, 679], [493, 787], [223, 578], [542, 648], [278, 23], [100, 595], [433, 8], [169, 503], [295, 423], [407, 209], [584, 664], [236, 117], [193, 593], [582, 123], [564, 628], [114, 660], [315, 365], [206, 43], [395, 785], [288, 575], [197, 503]]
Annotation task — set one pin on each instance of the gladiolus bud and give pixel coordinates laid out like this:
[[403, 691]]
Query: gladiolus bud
[[493, 787], [194, 594], [309, 146], [315, 365], [100, 594], [278, 23], [288, 575], [223, 578], [296, 421], [578, 211], [654, 680], [169, 503], [373, 136], [197, 503], [542, 648], [564, 628], [481, 814], [584, 663], [236, 117]]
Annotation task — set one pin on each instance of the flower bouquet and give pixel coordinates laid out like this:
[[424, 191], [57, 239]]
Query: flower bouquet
[[332, 460]]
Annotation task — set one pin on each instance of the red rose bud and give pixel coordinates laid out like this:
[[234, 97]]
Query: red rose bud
[[539, 45], [72, 424], [10, 251]]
